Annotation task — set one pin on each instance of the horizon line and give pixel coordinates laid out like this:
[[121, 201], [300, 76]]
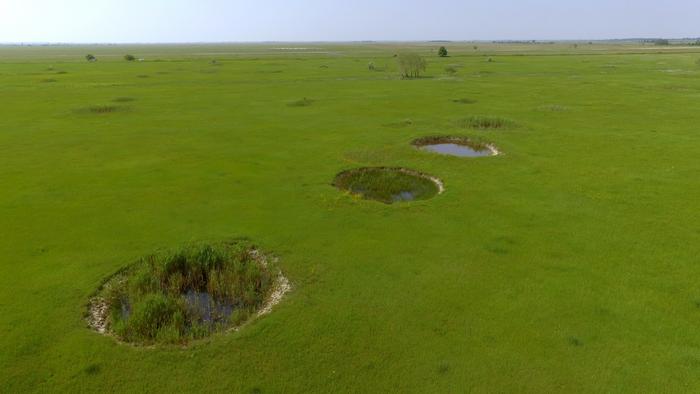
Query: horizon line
[[542, 40]]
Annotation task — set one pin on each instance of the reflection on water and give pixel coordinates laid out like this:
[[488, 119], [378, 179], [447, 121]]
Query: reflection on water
[[458, 150]]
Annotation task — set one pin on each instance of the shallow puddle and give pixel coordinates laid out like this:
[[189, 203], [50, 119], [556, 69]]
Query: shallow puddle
[[207, 307], [403, 196], [200, 303], [455, 146], [458, 150]]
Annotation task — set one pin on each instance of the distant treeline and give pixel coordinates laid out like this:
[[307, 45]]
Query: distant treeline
[[665, 41], [522, 42]]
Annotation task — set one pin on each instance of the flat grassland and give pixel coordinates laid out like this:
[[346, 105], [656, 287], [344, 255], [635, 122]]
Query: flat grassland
[[569, 263]]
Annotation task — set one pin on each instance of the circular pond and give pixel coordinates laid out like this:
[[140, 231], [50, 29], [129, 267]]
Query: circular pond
[[455, 146], [388, 184], [178, 296]]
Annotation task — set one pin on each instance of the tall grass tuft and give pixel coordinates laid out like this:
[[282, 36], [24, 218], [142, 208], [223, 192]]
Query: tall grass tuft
[[104, 109], [486, 123], [464, 101], [305, 102], [123, 99]]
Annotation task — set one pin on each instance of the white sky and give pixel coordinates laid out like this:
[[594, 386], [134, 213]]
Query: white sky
[[335, 20]]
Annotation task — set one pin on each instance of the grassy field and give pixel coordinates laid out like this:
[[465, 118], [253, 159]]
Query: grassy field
[[567, 264]]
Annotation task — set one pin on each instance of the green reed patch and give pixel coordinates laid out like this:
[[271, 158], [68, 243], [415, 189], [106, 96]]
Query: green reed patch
[[388, 185], [305, 102], [186, 294], [102, 109], [464, 101], [552, 108], [486, 123], [400, 124], [123, 99]]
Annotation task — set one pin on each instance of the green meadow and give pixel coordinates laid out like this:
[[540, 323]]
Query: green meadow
[[568, 263]]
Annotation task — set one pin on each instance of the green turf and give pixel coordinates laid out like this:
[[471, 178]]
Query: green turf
[[567, 264]]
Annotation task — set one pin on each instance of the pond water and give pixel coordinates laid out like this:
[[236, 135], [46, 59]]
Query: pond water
[[405, 195], [209, 308], [458, 150]]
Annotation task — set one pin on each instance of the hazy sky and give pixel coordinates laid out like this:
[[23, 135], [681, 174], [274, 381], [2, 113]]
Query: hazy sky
[[342, 20]]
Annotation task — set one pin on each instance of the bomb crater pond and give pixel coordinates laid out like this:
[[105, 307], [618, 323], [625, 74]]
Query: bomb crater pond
[[178, 296], [456, 146], [388, 184]]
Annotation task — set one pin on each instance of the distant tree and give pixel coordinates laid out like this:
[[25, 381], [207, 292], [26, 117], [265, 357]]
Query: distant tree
[[90, 58], [370, 66], [476, 48], [129, 58], [411, 65], [490, 60], [661, 41], [442, 52], [575, 46]]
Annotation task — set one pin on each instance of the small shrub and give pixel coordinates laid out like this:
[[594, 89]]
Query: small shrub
[[442, 52], [90, 57], [129, 58], [411, 65], [370, 66]]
